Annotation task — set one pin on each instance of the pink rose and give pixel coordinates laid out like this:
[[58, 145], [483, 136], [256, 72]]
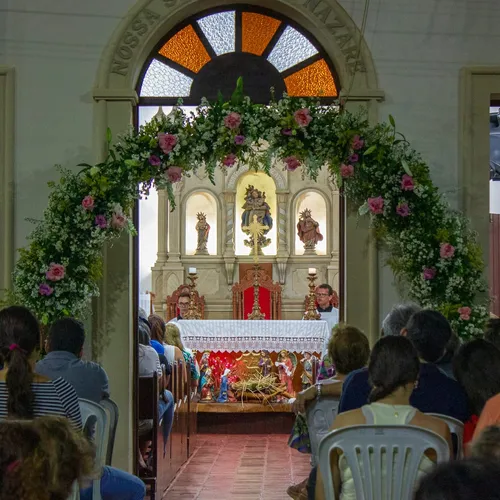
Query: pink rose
[[292, 163], [56, 272], [45, 290], [88, 203], [154, 160], [446, 251], [357, 142], [346, 171], [287, 131], [376, 205], [174, 174], [302, 117], [429, 273], [167, 142], [239, 140], [118, 220], [354, 158], [465, 313], [232, 120], [407, 183], [101, 221], [229, 160], [403, 210]]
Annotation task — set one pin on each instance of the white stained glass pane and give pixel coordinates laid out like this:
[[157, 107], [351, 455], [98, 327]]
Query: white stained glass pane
[[220, 31], [291, 48], [163, 81]]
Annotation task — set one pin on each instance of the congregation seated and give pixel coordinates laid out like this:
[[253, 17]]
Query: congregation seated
[[173, 338], [477, 369], [41, 459], [64, 359], [429, 331], [25, 394], [348, 350], [149, 363], [393, 372]]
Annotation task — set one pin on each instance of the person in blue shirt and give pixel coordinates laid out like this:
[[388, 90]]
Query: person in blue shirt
[[429, 331]]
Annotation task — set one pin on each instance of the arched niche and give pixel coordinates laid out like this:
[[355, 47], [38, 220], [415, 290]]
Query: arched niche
[[316, 202], [264, 183], [195, 202]]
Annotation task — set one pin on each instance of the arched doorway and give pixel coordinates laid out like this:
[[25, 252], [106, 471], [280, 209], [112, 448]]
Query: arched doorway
[[115, 99]]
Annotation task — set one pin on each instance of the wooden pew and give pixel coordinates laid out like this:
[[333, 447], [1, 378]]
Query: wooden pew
[[192, 411], [148, 410]]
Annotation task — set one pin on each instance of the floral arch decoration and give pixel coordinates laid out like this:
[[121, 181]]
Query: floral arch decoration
[[431, 247]]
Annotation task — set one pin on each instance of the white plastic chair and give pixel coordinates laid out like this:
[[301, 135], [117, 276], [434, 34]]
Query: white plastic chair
[[456, 427], [95, 417], [112, 410], [320, 416], [363, 446]]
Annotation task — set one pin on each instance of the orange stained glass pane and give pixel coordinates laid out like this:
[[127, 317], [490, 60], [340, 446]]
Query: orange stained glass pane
[[257, 31], [186, 48], [313, 80]]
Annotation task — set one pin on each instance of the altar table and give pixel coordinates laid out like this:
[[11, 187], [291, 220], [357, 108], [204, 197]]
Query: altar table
[[246, 335]]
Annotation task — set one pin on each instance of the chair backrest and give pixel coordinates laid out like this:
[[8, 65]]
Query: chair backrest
[[171, 302], [246, 282], [456, 428], [113, 413], [94, 417], [320, 415], [367, 447]]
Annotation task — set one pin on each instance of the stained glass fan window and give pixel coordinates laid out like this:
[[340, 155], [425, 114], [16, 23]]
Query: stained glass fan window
[[207, 54]]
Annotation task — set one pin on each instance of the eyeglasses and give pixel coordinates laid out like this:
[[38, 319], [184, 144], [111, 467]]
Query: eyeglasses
[[183, 304], [322, 295]]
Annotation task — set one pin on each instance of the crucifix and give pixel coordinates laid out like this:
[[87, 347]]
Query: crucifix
[[256, 230]]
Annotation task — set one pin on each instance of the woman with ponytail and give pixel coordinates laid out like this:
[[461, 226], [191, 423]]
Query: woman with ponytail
[[393, 372], [24, 394]]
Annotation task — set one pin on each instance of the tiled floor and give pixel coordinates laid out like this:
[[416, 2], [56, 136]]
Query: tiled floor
[[240, 467]]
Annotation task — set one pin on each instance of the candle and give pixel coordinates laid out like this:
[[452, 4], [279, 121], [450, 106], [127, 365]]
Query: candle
[[192, 270], [312, 270]]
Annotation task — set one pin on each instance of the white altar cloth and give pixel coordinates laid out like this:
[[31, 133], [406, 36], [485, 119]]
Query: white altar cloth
[[247, 335]]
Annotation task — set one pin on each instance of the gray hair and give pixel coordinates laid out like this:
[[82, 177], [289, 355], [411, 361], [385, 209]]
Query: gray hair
[[398, 317], [142, 314]]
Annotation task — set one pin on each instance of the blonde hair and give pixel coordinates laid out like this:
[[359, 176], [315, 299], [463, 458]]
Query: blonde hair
[[173, 336]]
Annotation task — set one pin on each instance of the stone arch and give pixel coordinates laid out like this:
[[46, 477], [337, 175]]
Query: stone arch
[[278, 176], [149, 20]]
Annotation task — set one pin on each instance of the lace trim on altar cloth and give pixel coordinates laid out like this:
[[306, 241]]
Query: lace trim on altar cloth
[[245, 335]]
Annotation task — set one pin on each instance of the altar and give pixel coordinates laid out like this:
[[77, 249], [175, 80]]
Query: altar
[[250, 370]]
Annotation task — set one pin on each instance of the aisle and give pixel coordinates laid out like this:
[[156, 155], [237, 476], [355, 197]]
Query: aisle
[[246, 467]]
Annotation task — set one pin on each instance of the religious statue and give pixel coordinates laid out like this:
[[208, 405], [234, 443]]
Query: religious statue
[[202, 228], [205, 373], [285, 371], [256, 205], [265, 363], [207, 386], [224, 387], [308, 231], [307, 374]]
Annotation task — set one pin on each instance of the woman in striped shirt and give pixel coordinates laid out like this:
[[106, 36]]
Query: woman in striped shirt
[[24, 394]]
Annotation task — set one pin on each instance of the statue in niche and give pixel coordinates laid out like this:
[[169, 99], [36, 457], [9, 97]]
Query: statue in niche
[[308, 232], [203, 229], [255, 204]]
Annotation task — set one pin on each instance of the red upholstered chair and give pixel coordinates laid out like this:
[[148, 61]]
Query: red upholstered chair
[[171, 301], [269, 296]]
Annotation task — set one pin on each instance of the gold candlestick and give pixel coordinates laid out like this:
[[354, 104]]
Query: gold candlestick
[[311, 313], [256, 312], [193, 312]]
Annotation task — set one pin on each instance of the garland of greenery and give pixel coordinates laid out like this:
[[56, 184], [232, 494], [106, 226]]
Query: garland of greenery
[[431, 247]]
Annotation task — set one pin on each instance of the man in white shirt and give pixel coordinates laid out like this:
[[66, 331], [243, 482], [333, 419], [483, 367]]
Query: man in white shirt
[[324, 297], [183, 306]]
